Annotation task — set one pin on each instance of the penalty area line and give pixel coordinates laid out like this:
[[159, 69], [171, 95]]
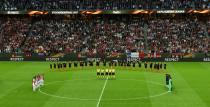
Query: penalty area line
[[99, 99]]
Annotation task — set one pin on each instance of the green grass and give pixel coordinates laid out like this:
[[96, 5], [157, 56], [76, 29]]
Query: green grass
[[191, 82]]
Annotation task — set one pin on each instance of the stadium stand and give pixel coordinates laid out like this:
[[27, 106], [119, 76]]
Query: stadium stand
[[1, 45], [121, 33], [177, 36], [102, 4], [208, 27]]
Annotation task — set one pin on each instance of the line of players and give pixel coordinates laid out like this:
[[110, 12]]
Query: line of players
[[151, 65], [37, 81], [68, 65], [58, 66], [106, 73], [155, 66]]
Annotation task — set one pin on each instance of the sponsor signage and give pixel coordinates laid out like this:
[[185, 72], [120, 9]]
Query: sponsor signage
[[171, 11], [206, 59], [64, 12], [171, 59], [52, 59], [16, 59], [13, 12], [134, 11]]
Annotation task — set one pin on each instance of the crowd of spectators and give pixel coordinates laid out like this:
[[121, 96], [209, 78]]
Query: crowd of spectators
[[13, 33], [102, 35], [102, 4], [178, 36], [208, 27]]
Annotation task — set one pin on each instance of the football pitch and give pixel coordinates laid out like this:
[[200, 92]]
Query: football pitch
[[79, 87]]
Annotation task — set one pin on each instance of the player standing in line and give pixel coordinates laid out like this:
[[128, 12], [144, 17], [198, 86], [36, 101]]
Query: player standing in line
[[139, 64], [98, 73], [54, 65], [91, 63], [97, 63], [113, 73], [61, 65], [164, 66], [69, 64], [107, 72], [121, 64], [134, 64], [158, 66], [151, 66], [145, 65], [102, 73], [50, 66], [75, 64], [80, 64], [109, 64], [115, 64], [64, 66], [161, 65], [104, 63], [86, 64], [58, 66], [110, 73], [155, 66], [129, 64]]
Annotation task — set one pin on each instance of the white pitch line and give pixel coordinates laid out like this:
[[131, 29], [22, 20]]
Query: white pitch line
[[125, 99], [99, 100]]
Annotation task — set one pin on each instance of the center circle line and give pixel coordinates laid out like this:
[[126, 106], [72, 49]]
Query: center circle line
[[120, 99]]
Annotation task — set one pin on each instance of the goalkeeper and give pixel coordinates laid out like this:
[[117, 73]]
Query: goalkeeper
[[169, 82]]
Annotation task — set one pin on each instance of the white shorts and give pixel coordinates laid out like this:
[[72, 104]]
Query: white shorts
[[34, 87], [41, 82]]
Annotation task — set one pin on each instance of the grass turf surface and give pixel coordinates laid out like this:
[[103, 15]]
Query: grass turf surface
[[191, 81]]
